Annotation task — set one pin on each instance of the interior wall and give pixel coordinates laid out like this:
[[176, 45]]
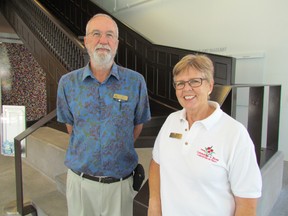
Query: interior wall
[[255, 32]]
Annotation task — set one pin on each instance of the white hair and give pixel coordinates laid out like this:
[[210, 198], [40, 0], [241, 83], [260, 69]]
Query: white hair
[[103, 15]]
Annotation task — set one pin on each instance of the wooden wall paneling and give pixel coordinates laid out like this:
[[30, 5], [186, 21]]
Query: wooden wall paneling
[[150, 76], [82, 25], [54, 71], [120, 57], [58, 74], [38, 51], [121, 53], [52, 66], [51, 85], [173, 59], [74, 13], [150, 54], [130, 53], [161, 58], [139, 47], [44, 57], [60, 6], [122, 35], [83, 4], [162, 82], [77, 3], [91, 10], [162, 79], [171, 90], [130, 40], [48, 92], [139, 67], [140, 57], [67, 11], [78, 17], [130, 58], [31, 41], [19, 27], [150, 71]]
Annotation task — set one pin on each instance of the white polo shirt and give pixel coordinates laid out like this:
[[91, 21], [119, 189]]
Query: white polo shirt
[[203, 167]]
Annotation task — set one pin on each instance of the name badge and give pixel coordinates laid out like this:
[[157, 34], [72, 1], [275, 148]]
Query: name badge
[[175, 135], [120, 97]]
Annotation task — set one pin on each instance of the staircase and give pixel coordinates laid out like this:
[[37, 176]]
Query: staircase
[[46, 149]]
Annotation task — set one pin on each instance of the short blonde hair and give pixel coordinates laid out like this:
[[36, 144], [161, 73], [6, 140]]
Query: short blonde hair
[[200, 62]]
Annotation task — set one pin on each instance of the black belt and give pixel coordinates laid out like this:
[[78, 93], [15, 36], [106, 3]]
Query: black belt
[[105, 180]]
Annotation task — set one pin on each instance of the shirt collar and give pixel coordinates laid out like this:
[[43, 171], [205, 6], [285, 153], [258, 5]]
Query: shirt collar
[[210, 120], [88, 73]]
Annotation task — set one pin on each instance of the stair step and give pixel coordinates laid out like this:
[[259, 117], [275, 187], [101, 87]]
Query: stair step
[[155, 121], [46, 149], [151, 131], [145, 142], [53, 203], [152, 127], [61, 183], [145, 156], [36, 186]]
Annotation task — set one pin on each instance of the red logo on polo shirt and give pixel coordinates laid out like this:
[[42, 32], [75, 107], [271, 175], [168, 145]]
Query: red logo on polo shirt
[[208, 154]]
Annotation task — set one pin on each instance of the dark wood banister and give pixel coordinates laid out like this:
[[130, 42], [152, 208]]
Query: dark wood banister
[[29, 209], [57, 38]]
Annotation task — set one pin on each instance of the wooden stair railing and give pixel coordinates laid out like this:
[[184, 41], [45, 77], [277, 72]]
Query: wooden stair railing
[[56, 37]]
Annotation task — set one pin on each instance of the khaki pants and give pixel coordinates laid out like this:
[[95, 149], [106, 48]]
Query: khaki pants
[[90, 198]]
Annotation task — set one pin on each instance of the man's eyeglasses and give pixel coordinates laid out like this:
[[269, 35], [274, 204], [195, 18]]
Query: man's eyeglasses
[[97, 35], [196, 82]]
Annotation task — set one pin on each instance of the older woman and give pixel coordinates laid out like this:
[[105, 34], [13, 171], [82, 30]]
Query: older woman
[[204, 161]]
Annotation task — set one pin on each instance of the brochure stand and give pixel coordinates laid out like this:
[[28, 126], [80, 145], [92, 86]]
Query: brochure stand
[[13, 122]]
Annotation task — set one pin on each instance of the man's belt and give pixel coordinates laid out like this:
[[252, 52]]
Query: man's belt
[[105, 180]]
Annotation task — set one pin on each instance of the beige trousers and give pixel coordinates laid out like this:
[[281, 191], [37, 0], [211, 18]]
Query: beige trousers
[[90, 198]]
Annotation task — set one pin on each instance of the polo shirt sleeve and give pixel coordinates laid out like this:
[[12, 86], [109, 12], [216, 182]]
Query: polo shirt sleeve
[[244, 173], [142, 112], [64, 114], [155, 151]]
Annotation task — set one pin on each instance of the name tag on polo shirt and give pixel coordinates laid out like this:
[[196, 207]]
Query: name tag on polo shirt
[[120, 97], [175, 135]]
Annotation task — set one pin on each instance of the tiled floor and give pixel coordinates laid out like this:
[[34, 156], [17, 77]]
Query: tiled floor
[[34, 183]]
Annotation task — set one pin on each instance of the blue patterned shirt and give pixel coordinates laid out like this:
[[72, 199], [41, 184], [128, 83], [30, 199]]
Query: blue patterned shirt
[[103, 116]]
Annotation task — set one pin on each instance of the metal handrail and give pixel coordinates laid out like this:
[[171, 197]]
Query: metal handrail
[[21, 209]]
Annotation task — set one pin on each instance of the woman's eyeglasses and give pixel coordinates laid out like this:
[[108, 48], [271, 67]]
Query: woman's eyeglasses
[[196, 82]]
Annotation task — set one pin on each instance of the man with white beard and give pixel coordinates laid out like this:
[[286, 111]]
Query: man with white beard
[[104, 107]]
